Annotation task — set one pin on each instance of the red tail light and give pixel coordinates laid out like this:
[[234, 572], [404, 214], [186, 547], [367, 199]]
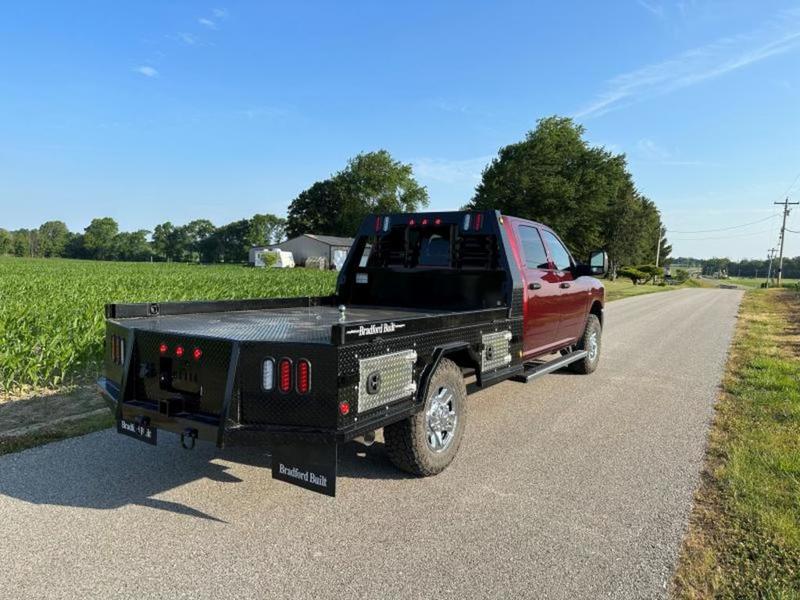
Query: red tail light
[[344, 408], [179, 351], [477, 222], [285, 375], [303, 376], [197, 353], [377, 223], [163, 348]]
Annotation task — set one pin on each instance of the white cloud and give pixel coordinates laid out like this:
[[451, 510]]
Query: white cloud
[[652, 7], [698, 65], [146, 70], [207, 23], [650, 150], [187, 38], [220, 13], [451, 171]]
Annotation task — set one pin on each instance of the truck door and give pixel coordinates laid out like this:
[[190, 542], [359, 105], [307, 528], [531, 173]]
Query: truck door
[[573, 299], [541, 293]]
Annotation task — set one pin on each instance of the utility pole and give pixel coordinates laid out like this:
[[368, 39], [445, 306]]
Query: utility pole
[[786, 205], [770, 255], [661, 233]]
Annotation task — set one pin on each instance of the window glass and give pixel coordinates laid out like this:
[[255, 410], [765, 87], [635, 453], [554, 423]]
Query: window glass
[[557, 251], [532, 248], [434, 249]]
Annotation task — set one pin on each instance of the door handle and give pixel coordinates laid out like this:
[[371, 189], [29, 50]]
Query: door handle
[[565, 284], [534, 286]]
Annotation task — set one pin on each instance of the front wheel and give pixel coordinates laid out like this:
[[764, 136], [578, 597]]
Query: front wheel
[[590, 341], [427, 442]]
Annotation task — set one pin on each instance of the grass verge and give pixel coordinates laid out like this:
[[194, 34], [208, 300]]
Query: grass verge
[[744, 531], [55, 432]]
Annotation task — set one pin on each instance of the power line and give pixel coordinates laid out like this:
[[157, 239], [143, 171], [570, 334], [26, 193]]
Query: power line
[[723, 237], [725, 228]]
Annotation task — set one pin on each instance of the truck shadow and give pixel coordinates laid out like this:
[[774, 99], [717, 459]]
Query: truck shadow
[[106, 471]]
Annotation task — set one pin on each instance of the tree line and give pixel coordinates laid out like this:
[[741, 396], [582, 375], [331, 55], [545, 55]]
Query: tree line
[[740, 268], [553, 175], [197, 241]]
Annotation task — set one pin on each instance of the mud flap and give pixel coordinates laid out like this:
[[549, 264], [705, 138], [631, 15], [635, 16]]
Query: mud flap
[[309, 465]]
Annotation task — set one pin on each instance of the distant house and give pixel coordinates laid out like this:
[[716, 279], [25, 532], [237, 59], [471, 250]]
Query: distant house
[[333, 249]]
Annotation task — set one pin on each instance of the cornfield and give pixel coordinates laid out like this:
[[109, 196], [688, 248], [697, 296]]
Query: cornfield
[[51, 311]]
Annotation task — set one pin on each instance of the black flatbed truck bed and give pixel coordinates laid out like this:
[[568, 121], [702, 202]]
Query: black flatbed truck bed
[[302, 375]]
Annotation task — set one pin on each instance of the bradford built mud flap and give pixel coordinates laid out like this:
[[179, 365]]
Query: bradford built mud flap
[[290, 398]]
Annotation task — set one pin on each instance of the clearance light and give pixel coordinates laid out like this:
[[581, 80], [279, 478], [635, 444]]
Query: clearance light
[[268, 374], [163, 348], [285, 375], [344, 408], [424, 221], [412, 222], [179, 351], [303, 376], [197, 353]]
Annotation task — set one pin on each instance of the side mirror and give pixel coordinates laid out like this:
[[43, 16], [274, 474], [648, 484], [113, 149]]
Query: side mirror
[[598, 262]]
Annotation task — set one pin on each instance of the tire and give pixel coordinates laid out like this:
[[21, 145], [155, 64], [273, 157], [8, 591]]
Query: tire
[[593, 331], [410, 443]]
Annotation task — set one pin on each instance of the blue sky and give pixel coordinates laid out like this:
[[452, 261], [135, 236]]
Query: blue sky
[[154, 111]]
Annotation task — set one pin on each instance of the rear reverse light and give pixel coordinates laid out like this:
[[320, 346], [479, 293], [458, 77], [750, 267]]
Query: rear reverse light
[[386, 223], [285, 375], [163, 348], [197, 353], [303, 376], [179, 351], [344, 408], [268, 374], [466, 221]]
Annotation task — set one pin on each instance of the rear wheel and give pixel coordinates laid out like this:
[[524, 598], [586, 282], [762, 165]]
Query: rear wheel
[[590, 341], [426, 443]]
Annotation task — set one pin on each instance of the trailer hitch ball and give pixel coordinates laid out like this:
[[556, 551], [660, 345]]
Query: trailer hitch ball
[[191, 435]]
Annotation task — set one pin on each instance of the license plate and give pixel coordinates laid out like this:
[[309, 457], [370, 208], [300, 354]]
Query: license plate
[[143, 433]]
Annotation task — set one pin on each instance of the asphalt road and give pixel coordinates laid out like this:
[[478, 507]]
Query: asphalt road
[[570, 486]]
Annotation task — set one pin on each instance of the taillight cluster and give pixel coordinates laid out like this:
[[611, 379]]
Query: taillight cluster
[[179, 351], [117, 349], [476, 220], [288, 375]]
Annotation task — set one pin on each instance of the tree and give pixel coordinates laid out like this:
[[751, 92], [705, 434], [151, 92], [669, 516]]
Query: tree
[[53, 238], [265, 230], [315, 210], [197, 232], [99, 237], [585, 193], [371, 182], [554, 176], [133, 245], [6, 242]]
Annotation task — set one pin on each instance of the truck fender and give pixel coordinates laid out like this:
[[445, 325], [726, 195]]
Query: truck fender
[[439, 353]]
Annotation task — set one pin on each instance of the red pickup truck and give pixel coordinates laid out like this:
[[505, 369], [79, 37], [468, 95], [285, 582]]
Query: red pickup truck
[[425, 304]]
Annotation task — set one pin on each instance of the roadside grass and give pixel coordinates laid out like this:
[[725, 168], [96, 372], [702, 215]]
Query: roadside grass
[[744, 531], [624, 288], [56, 432], [752, 282]]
